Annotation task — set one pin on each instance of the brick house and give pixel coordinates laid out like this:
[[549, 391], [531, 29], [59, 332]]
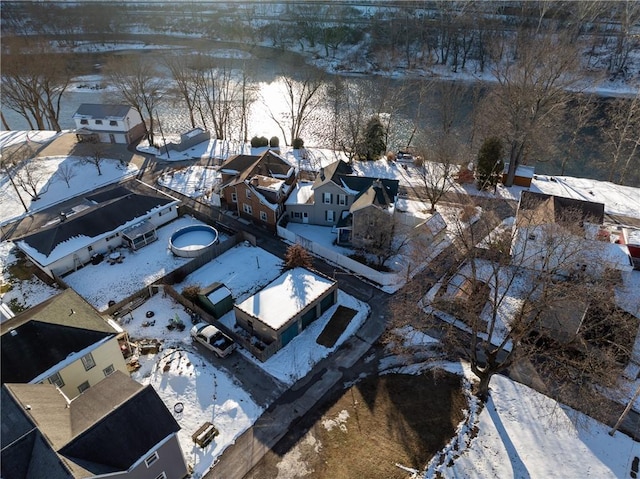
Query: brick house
[[255, 187]]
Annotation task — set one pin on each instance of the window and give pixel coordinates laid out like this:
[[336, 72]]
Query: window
[[329, 215], [532, 237], [247, 208], [326, 198], [108, 370], [88, 362], [263, 216], [342, 199], [151, 459], [84, 386], [248, 193], [234, 198], [162, 475], [109, 238], [113, 123], [90, 248], [297, 214], [57, 380], [98, 122], [84, 122]]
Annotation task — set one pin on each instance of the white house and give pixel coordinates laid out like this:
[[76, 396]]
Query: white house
[[108, 123], [95, 224]]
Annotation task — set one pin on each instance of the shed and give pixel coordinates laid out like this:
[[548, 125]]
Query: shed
[[523, 177], [216, 299]]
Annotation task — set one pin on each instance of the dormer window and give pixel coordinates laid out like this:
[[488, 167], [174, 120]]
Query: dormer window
[[98, 122], [113, 123], [84, 122]]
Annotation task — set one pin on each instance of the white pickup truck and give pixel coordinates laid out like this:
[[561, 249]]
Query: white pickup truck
[[213, 339]]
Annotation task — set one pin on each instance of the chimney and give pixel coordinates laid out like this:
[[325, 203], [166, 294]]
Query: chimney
[[63, 217], [322, 173]]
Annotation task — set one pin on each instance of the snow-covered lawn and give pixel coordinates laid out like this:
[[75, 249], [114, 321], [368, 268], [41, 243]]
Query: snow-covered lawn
[[27, 293], [244, 269], [53, 189], [99, 284], [523, 434], [195, 182], [207, 393]]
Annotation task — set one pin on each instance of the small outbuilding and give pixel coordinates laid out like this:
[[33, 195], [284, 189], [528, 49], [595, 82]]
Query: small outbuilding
[[286, 306], [523, 177], [216, 300]]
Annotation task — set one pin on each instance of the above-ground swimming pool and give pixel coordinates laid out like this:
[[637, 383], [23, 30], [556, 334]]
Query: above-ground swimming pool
[[190, 241]]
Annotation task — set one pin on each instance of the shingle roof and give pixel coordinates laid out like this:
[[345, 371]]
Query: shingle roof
[[106, 429], [41, 337], [332, 172], [115, 442], [95, 110], [376, 194], [553, 209], [342, 175], [25, 451], [103, 212]]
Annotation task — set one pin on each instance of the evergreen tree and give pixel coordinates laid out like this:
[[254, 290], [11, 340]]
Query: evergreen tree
[[490, 163], [372, 145]]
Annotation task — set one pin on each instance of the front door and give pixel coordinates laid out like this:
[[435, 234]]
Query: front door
[[112, 138], [305, 217]]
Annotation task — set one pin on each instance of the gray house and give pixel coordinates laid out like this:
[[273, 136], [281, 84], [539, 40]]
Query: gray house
[[338, 197], [116, 429]]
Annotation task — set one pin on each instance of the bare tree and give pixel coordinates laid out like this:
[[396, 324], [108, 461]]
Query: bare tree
[[184, 75], [436, 167], [582, 109], [95, 157], [137, 85], [33, 85], [30, 177], [621, 130], [532, 91], [530, 306], [66, 172], [302, 98]]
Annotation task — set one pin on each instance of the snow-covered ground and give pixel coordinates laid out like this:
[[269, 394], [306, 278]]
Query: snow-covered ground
[[513, 439], [208, 393], [521, 433], [52, 188], [104, 282], [194, 181]]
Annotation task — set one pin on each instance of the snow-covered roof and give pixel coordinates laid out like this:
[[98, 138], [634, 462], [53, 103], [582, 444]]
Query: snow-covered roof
[[285, 297], [219, 294], [617, 199], [302, 194]]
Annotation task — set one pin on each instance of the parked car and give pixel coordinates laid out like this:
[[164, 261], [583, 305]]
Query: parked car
[[213, 339], [405, 157]]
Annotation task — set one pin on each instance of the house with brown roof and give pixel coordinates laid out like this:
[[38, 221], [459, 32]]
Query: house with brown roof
[[565, 235], [62, 341], [355, 205], [118, 429], [255, 187]]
